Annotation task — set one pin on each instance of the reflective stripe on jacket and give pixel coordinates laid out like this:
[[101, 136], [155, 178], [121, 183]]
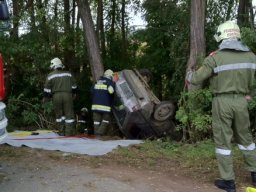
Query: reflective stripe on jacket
[[59, 81], [230, 71], [102, 94]]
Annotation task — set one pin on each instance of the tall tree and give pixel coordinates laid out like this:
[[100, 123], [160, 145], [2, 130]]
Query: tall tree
[[69, 52], [123, 27], [243, 13], [197, 37], [16, 19], [97, 68], [31, 9], [100, 28]]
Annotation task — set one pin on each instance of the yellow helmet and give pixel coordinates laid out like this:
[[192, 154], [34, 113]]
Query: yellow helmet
[[108, 73], [56, 63], [227, 30]]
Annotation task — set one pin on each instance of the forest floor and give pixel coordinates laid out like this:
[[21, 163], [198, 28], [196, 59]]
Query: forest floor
[[25, 169]]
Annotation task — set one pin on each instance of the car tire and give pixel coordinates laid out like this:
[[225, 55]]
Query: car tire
[[164, 110]]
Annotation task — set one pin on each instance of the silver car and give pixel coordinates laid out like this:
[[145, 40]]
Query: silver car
[[138, 112]]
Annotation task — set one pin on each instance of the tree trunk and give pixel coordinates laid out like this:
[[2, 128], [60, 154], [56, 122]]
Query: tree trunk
[[97, 68], [197, 37], [243, 13], [251, 15], [55, 31], [43, 26], [16, 18], [112, 30], [100, 29], [31, 8], [69, 52], [197, 44], [124, 45]]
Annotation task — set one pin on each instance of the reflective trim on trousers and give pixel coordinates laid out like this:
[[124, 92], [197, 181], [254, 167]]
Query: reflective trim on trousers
[[59, 120], [96, 123], [81, 121], [69, 121], [222, 151], [47, 90], [104, 121], [250, 147]]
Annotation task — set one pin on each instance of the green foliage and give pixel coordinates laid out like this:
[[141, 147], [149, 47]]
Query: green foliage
[[194, 113], [249, 38], [28, 113], [165, 44]]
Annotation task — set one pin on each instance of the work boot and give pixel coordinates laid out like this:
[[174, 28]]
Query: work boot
[[253, 174], [227, 185]]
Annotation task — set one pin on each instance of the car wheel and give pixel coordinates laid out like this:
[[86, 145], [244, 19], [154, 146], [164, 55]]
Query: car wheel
[[164, 110]]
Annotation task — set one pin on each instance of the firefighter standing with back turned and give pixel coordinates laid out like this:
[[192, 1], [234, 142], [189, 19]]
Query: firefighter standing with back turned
[[61, 86], [231, 70], [102, 100]]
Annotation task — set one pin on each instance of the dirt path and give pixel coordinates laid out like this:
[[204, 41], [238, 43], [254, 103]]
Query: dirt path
[[31, 170]]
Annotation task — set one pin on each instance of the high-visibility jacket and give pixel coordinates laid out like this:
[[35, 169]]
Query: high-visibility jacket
[[59, 81], [230, 71], [102, 95]]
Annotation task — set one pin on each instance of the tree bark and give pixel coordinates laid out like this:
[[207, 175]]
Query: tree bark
[[124, 44], [243, 13], [100, 28], [16, 20], [31, 9], [97, 68], [197, 36], [112, 29]]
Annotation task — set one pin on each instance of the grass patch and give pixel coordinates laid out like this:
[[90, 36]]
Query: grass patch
[[196, 160]]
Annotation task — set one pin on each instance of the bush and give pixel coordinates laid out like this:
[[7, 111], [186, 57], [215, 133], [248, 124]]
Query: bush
[[194, 114]]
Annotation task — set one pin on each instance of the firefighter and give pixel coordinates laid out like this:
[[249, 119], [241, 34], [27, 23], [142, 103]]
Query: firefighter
[[61, 86], [102, 99], [231, 71]]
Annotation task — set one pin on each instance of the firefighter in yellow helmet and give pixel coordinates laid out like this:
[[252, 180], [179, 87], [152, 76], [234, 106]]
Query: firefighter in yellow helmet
[[60, 85], [231, 71], [102, 100]]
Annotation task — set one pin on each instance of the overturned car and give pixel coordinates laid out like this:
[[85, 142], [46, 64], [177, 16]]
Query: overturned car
[[138, 112]]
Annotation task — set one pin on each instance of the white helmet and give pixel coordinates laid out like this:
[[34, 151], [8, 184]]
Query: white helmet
[[227, 30], [56, 63], [108, 73]]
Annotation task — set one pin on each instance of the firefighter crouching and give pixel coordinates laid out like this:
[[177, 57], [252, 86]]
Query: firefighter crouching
[[61, 86], [102, 100]]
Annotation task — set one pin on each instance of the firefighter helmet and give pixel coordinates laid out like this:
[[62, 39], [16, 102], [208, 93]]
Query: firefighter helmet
[[108, 73], [227, 30], [56, 63]]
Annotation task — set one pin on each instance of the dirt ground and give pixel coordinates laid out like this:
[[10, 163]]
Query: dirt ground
[[33, 170]]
